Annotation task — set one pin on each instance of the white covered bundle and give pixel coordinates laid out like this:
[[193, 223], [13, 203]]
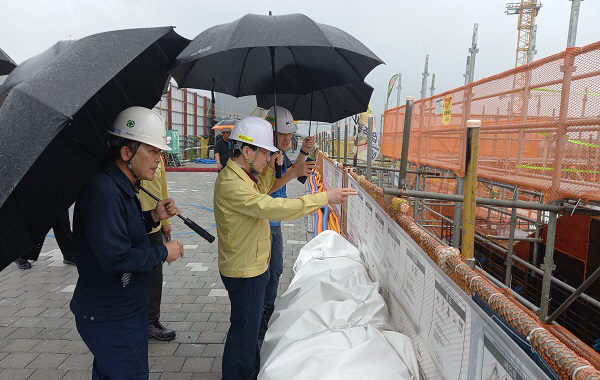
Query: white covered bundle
[[332, 323]]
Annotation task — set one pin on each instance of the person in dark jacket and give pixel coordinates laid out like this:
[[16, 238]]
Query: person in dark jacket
[[114, 256]]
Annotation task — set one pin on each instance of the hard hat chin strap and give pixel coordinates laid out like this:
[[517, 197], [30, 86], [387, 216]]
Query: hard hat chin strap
[[238, 145], [252, 170], [137, 180]]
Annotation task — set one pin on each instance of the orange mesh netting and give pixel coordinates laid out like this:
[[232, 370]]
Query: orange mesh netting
[[540, 126]]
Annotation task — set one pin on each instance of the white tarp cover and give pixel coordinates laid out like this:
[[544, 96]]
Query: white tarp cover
[[332, 323]]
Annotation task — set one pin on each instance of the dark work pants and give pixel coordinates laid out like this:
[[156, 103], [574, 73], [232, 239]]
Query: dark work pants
[[156, 283], [64, 238], [241, 357], [120, 348], [275, 266]]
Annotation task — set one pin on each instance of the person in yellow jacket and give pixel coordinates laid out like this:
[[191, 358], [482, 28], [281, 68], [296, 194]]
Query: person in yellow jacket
[[157, 237], [243, 209]]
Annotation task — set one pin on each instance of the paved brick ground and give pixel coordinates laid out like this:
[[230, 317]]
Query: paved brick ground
[[38, 338]]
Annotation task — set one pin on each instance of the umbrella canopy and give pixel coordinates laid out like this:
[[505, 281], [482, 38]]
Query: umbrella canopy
[[328, 105], [6, 63], [33, 65], [54, 125], [225, 123], [235, 58]]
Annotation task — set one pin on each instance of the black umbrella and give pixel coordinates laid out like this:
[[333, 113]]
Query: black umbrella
[[288, 54], [6, 63], [54, 125], [328, 105], [33, 65]]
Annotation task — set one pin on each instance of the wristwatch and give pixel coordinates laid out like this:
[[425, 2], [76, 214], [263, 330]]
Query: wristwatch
[[303, 152]]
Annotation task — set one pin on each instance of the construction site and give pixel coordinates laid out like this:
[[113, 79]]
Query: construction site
[[470, 248]]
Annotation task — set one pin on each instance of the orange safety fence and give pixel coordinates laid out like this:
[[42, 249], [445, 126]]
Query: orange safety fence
[[568, 356], [540, 126]]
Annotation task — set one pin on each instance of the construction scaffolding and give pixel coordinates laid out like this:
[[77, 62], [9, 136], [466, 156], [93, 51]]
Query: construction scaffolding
[[550, 145]]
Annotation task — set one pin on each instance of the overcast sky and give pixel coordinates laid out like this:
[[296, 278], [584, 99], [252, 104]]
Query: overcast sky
[[400, 32]]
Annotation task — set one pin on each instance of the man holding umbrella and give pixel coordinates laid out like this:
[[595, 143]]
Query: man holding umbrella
[[114, 257], [242, 210]]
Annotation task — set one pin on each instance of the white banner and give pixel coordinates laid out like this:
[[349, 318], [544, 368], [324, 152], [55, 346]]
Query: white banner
[[452, 336]]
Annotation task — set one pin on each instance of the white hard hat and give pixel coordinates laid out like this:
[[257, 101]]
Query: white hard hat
[[141, 124], [285, 120], [254, 131]]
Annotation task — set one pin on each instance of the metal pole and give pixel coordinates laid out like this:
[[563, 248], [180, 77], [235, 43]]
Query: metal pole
[[399, 90], [355, 146], [345, 141], [369, 147], [473, 50], [564, 208], [456, 232], [469, 206], [332, 140], [339, 141], [405, 141], [467, 70], [575, 4], [536, 245], [586, 284], [432, 88], [424, 80], [511, 239], [531, 49], [416, 199], [548, 266]]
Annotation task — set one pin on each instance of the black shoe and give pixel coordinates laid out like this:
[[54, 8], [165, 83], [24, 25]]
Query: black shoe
[[23, 263], [264, 321], [69, 261], [159, 332]]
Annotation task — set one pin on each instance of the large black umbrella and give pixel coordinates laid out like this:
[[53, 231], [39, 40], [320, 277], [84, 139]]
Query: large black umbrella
[[6, 63], [328, 105], [54, 125], [32, 66], [288, 54], [235, 58]]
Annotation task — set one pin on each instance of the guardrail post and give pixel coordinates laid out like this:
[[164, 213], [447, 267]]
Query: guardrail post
[[405, 141], [369, 148], [548, 266], [469, 207], [456, 227], [511, 240], [345, 141]]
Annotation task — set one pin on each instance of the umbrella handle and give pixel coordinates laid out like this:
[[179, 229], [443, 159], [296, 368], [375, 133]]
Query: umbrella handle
[[277, 171], [197, 229]]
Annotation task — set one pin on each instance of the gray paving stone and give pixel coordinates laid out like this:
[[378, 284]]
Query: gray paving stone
[[77, 375], [193, 350], [20, 345], [48, 361], [198, 364], [18, 359], [168, 364], [157, 348], [80, 362], [16, 374]]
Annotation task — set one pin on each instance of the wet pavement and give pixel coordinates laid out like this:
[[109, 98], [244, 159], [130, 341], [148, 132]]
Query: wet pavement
[[38, 338]]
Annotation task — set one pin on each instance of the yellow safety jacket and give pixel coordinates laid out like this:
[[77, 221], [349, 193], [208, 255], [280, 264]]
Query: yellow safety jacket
[[242, 211]]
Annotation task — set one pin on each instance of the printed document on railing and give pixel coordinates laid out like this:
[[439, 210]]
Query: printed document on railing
[[454, 339], [332, 179]]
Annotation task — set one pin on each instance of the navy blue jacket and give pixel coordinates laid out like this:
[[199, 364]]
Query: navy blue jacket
[[114, 256]]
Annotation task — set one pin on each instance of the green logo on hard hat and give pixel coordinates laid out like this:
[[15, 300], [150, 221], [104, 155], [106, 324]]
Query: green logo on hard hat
[[130, 123]]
